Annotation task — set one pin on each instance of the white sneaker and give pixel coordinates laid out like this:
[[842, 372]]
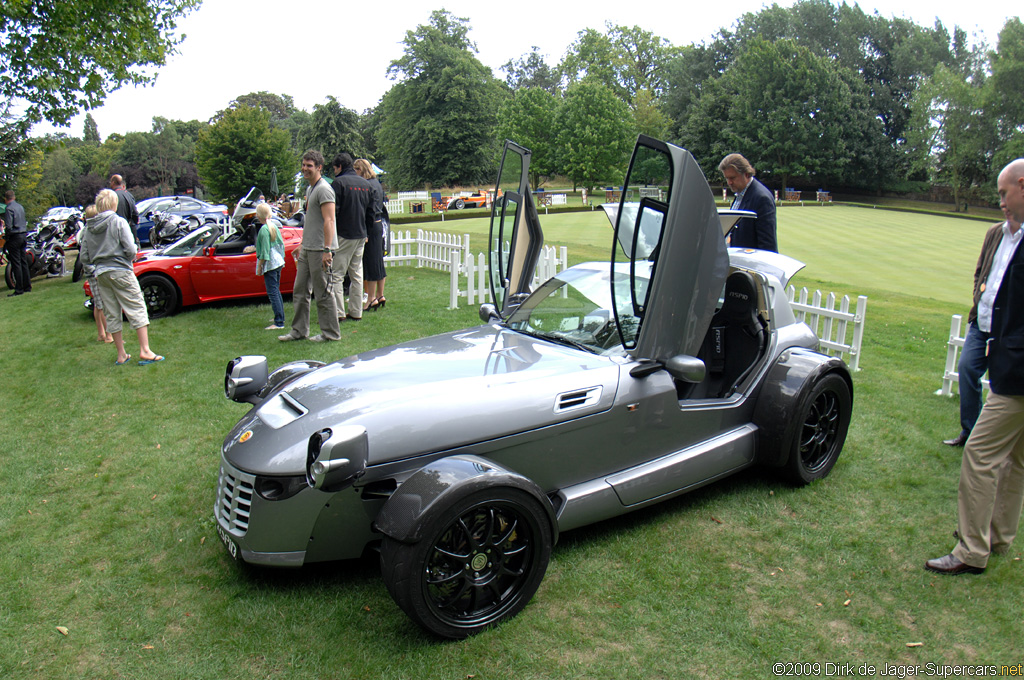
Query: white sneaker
[[319, 337], [288, 337], [273, 327]]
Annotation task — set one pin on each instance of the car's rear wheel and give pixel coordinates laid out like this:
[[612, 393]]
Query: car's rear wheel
[[160, 294], [478, 563], [825, 419]]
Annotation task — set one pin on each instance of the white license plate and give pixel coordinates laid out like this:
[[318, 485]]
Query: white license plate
[[228, 543]]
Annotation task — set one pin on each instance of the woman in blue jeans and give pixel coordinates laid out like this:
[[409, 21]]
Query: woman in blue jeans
[[270, 261]]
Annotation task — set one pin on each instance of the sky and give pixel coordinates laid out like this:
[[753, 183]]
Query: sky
[[233, 48]]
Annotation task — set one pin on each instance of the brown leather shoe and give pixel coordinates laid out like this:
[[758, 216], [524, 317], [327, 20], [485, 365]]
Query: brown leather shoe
[[949, 564], [958, 440]]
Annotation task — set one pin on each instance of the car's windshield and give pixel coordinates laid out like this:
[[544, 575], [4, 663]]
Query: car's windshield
[[193, 242], [575, 308]]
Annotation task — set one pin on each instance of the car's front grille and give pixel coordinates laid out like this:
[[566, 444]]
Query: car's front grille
[[234, 499]]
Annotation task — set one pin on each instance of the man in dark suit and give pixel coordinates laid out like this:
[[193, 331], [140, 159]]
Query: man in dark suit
[[991, 489], [751, 195], [974, 355]]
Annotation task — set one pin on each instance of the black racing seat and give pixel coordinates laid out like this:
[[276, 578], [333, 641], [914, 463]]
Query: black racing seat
[[736, 337]]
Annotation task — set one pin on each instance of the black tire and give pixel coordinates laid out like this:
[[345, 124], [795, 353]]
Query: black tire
[[478, 563], [76, 271], [824, 421], [56, 267], [459, 204], [160, 294], [9, 277]]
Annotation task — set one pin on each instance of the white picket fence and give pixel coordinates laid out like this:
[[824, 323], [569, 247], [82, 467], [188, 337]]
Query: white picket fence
[[951, 376], [552, 260], [450, 253], [832, 324]]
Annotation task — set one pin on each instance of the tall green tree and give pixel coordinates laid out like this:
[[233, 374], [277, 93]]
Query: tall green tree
[[59, 177], [955, 136], [333, 128], [595, 135], [627, 60], [62, 57], [240, 150], [1004, 100], [439, 119], [90, 131], [783, 108], [531, 70], [529, 118], [14, 146]]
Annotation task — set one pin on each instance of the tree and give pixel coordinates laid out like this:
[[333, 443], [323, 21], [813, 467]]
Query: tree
[[528, 118], [952, 130], [90, 131], [780, 106], [531, 70], [332, 128], [240, 150], [14, 146], [1004, 101], [594, 134], [438, 121], [62, 57], [626, 60], [60, 177]]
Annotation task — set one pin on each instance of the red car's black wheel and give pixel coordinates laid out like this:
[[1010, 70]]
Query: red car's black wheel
[[160, 294]]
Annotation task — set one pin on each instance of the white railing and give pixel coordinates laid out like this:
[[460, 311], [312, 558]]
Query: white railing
[[427, 249], [951, 376], [413, 195], [552, 260], [396, 206], [830, 324]]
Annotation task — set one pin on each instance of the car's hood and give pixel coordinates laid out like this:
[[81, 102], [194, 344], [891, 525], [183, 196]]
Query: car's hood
[[428, 395]]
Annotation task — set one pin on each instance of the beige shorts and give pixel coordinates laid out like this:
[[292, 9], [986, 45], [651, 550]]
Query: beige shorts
[[120, 292]]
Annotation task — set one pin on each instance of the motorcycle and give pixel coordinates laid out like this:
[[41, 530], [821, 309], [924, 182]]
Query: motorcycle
[[169, 227], [44, 254], [70, 228]]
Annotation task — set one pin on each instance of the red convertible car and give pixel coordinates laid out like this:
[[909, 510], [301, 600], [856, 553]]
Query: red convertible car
[[204, 267]]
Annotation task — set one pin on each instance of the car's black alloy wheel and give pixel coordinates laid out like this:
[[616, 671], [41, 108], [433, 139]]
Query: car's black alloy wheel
[[479, 562], [160, 294], [825, 419]]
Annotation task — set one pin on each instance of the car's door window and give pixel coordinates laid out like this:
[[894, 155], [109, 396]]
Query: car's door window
[[639, 225], [516, 236]]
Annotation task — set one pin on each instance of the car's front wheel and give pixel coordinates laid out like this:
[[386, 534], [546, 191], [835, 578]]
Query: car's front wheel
[[160, 294], [459, 204], [479, 562], [825, 419]]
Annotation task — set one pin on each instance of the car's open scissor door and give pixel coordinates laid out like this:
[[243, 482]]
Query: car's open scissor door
[[669, 259], [516, 238]]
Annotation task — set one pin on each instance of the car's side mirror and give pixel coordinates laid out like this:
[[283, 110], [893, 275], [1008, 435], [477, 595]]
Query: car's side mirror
[[209, 251], [489, 313], [686, 368]]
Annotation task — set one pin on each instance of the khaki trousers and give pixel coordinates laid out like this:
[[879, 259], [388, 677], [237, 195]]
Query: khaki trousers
[[991, 481], [312, 279], [348, 259]]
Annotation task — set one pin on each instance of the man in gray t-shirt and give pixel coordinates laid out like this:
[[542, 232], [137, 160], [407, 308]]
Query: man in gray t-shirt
[[313, 258]]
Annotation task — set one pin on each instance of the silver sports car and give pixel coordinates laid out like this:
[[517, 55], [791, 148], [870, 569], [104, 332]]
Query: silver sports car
[[612, 386]]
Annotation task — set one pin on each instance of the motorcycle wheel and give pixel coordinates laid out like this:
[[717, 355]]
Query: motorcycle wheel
[[55, 265], [9, 276]]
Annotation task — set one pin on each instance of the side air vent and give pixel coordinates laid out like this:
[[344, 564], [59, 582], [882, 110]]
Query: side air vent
[[569, 401]]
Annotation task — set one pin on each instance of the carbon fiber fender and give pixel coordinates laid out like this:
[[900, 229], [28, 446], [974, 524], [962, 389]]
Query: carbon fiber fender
[[441, 483], [783, 394]]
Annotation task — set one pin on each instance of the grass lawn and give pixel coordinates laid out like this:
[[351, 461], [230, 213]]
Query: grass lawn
[[112, 567]]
